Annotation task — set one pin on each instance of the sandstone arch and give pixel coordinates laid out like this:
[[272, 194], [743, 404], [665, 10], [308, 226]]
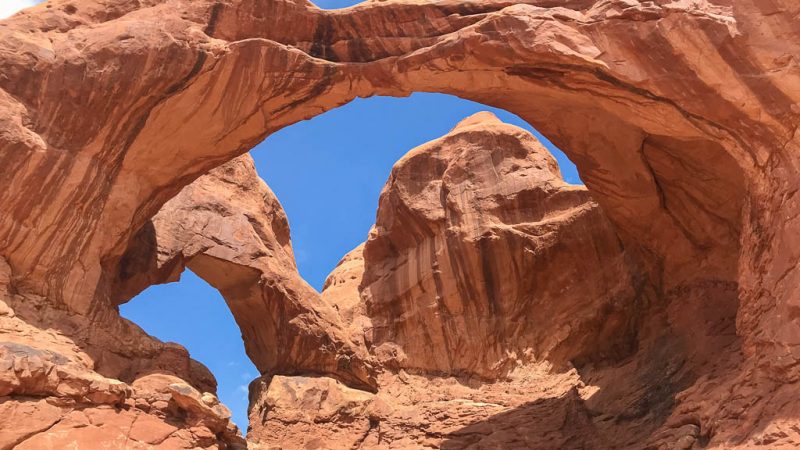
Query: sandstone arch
[[225, 49], [229, 229], [681, 117]]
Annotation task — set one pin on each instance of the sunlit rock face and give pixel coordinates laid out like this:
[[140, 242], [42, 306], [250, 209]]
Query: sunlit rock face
[[681, 116], [483, 279], [504, 312], [229, 228], [482, 258]]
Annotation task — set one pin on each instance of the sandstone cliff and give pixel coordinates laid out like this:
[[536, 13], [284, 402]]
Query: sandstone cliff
[[681, 116]]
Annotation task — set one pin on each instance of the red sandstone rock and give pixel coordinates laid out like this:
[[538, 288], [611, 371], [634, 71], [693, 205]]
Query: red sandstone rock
[[306, 412], [681, 116], [478, 231], [56, 391], [484, 206], [229, 228]]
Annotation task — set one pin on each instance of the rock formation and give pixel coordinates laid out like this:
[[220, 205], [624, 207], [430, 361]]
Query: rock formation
[[65, 381], [484, 277], [505, 313], [681, 116], [478, 231], [229, 229]]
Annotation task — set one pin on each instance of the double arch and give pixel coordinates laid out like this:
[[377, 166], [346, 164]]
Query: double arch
[[690, 156]]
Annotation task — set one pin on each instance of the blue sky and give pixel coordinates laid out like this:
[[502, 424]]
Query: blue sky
[[9, 7], [328, 173], [332, 4]]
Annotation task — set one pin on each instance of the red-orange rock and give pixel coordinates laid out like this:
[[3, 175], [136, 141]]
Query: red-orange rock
[[681, 116], [68, 381], [229, 228], [55, 392], [484, 206], [308, 412], [478, 231]]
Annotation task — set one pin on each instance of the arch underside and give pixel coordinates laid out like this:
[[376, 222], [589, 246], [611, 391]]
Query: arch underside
[[681, 119]]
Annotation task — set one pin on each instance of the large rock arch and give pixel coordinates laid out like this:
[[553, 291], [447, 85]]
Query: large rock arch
[[681, 117]]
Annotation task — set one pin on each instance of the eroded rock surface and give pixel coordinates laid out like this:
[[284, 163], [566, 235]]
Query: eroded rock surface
[[65, 382], [504, 311], [681, 116], [478, 231], [229, 229], [414, 412]]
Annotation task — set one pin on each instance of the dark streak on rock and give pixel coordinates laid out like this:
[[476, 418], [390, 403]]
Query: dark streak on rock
[[323, 35], [213, 19], [325, 82]]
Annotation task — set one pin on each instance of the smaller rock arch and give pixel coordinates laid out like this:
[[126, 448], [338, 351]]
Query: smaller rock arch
[[229, 229]]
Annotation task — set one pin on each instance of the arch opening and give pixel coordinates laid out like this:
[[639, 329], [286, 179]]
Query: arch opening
[[241, 281], [192, 313], [201, 219], [333, 5], [249, 285], [330, 180]]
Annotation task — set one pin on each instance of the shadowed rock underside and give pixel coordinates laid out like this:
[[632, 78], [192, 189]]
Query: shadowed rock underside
[[681, 117]]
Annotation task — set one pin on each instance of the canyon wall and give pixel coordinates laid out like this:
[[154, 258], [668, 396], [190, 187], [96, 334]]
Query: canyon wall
[[681, 116]]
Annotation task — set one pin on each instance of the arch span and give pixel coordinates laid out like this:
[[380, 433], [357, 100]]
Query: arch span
[[230, 230]]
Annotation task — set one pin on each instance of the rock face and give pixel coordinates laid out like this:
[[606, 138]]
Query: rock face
[[465, 364], [229, 229], [66, 382], [505, 313], [414, 412], [308, 412], [681, 116], [478, 231]]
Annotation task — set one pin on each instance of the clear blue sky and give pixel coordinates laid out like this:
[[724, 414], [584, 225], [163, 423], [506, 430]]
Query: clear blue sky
[[333, 4], [328, 173]]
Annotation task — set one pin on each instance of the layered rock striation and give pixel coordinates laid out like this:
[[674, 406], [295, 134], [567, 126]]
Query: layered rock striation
[[478, 231], [681, 116]]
